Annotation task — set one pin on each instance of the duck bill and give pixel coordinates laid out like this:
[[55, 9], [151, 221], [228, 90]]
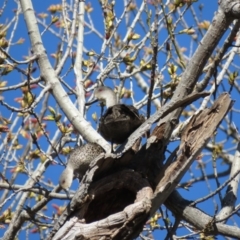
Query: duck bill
[[91, 102]]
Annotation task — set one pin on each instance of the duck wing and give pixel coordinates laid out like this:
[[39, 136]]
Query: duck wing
[[121, 112], [119, 122]]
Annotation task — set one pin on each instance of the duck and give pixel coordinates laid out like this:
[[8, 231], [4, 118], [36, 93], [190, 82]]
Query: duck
[[119, 120], [78, 162]]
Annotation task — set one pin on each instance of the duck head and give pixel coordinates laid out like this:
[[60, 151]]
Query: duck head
[[105, 95]]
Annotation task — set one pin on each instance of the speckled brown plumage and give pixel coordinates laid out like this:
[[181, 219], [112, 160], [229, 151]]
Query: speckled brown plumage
[[78, 163], [120, 120]]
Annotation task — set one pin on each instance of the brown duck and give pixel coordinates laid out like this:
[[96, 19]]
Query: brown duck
[[78, 163], [120, 120]]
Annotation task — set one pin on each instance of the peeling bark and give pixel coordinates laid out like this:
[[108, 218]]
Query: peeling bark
[[116, 202]]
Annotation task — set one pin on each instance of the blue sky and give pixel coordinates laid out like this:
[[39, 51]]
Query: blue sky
[[50, 42]]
